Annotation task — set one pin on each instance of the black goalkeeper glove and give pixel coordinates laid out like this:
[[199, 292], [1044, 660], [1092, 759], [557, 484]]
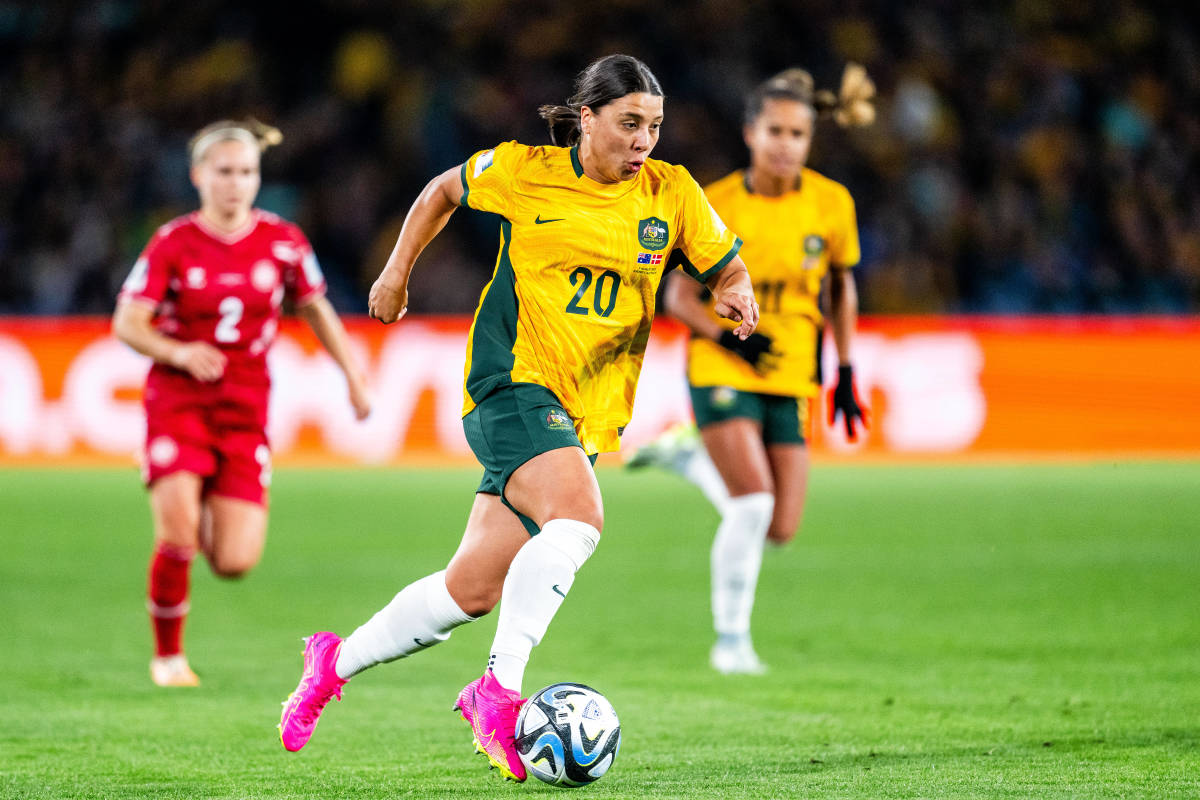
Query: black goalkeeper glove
[[844, 398], [754, 349]]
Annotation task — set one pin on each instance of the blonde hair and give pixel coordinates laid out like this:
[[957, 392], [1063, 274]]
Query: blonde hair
[[852, 106], [250, 131]]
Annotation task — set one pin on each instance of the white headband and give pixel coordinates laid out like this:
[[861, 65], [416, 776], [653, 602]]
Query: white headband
[[221, 135]]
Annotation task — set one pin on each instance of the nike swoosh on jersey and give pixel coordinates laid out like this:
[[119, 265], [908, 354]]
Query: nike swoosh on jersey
[[558, 591], [540, 221]]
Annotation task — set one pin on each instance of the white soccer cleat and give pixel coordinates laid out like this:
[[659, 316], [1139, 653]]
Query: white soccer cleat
[[671, 451], [172, 671], [736, 659]]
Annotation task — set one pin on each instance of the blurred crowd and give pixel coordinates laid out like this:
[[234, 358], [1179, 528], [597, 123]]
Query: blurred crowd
[[1029, 156]]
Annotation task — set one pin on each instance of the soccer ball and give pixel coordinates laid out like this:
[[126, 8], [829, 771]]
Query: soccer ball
[[568, 735]]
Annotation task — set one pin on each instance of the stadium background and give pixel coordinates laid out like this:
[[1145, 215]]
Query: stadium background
[[1030, 156], [1029, 159]]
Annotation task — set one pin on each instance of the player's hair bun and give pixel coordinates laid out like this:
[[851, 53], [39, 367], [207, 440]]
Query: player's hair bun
[[249, 130], [855, 101], [267, 135], [851, 106]]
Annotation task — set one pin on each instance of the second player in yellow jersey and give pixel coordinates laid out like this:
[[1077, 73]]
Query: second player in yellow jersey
[[751, 396], [792, 241]]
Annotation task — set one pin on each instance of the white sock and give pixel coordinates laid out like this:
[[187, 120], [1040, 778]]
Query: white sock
[[420, 616], [736, 558], [700, 470], [537, 582]]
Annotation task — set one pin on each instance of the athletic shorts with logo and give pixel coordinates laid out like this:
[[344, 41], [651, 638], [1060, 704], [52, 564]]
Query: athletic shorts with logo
[[215, 430], [784, 419], [509, 427]]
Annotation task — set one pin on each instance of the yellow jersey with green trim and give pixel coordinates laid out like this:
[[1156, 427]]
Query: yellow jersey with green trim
[[571, 300], [791, 242]]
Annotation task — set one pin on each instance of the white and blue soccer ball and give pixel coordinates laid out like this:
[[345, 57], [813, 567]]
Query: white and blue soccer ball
[[568, 735]]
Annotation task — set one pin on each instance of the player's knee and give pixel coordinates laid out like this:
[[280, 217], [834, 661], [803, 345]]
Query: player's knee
[[591, 512], [783, 528], [474, 600], [595, 519], [231, 567], [778, 534], [179, 527], [480, 606]]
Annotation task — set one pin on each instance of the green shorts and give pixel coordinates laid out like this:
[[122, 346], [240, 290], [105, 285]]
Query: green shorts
[[512, 425], [783, 418]]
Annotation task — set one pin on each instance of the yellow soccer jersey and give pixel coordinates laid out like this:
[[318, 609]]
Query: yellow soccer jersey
[[572, 297], [790, 243]]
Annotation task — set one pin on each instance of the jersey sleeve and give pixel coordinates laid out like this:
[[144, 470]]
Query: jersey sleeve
[[705, 245], [150, 277], [843, 246], [487, 179], [303, 280]]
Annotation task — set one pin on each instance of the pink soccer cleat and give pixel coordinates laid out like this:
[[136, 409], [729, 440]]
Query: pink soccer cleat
[[491, 711], [318, 684]]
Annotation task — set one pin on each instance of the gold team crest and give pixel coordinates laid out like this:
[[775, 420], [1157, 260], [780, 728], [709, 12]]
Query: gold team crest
[[556, 420], [814, 246], [653, 233]]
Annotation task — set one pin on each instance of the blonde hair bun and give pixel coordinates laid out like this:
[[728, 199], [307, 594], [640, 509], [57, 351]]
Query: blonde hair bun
[[855, 106], [852, 106], [250, 131]]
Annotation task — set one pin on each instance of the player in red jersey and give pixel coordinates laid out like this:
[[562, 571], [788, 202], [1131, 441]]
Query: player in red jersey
[[204, 302]]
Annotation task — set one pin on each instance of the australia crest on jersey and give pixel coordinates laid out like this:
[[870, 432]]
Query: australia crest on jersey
[[723, 396], [814, 246], [653, 233], [557, 420]]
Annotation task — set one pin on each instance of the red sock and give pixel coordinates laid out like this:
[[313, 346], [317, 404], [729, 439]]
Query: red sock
[[167, 596]]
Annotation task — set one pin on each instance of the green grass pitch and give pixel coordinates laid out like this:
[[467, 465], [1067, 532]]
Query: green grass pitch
[[1024, 631]]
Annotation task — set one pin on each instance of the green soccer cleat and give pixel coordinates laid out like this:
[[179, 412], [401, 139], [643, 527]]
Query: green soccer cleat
[[672, 450]]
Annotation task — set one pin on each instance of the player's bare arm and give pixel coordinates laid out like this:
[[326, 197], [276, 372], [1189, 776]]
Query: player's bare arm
[[843, 313], [323, 320], [132, 324], [682, 300], [843, 310], [388, 300], [733, 297]]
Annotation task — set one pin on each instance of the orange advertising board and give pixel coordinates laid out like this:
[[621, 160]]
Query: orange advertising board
[[937, 386], [1068, 384]]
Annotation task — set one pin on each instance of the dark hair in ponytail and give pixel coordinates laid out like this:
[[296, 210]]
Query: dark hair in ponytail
[[852, 106], [601, 82]]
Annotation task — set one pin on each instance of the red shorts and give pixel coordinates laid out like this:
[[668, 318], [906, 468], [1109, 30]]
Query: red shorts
[[216, 431]]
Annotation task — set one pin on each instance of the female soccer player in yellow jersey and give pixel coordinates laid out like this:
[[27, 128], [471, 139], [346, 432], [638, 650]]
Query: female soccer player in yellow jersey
[[750, 395], [553, 358]]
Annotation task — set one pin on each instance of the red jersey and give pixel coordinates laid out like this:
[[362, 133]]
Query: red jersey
[[225, 289]]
